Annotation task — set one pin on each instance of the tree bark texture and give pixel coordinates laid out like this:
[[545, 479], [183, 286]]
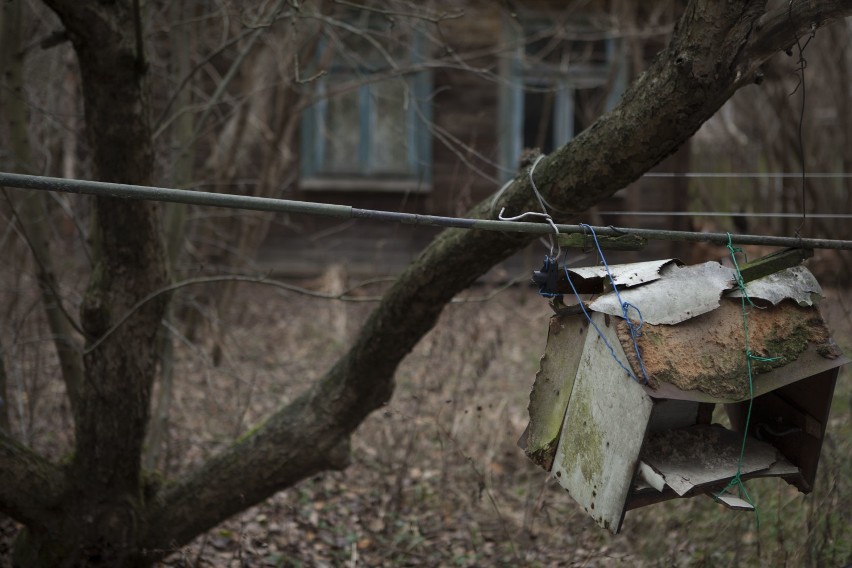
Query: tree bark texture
[[99, 517], [96, 506]]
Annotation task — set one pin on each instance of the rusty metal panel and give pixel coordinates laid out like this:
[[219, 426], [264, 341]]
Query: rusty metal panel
[[809, 363], [602, 434], [796, 283], [707, 354], [681, 293]]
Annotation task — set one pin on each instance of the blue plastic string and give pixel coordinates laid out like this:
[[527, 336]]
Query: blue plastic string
[[625, 308], [548, 262], [594, 325]]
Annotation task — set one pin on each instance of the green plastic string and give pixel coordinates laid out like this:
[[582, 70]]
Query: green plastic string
[[737, 481]]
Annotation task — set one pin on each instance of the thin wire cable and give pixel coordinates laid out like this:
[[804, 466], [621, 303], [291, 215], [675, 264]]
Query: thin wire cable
[[801, 65], [726, 214], [749, 175], [554, 243], [538, 195], [545, 205], [547, 218], [224, 200]]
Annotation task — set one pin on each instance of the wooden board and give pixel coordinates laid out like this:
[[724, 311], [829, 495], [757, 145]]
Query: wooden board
[[566, 339], [602, 434]]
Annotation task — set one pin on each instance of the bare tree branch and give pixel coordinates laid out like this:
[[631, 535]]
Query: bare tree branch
[[686, 84], [4, 394], [32, 224], [30, 486], [777, 30]]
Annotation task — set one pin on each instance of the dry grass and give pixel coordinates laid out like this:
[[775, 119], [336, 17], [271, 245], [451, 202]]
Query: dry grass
[[437, 478]]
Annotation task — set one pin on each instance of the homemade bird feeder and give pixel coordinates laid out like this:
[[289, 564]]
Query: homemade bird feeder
[[616, 443]]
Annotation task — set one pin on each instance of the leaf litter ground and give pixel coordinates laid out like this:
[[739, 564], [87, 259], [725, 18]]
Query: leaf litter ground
[[436, 477]]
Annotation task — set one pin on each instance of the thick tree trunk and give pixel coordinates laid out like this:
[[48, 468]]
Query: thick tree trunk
[[95, 510], [100, 516]]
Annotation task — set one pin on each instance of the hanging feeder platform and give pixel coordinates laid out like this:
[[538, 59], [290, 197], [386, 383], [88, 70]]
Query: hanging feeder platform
[[615, 443]]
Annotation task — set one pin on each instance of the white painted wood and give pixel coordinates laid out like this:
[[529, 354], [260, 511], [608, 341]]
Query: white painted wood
[[602, 434]]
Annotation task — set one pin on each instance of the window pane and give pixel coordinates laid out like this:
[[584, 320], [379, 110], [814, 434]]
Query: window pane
[[538, 120], [556, 52], [389, 152], [341, 134], [588, 106]]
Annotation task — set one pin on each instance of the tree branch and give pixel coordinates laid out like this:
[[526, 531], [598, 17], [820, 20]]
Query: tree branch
[[686, 84], [4, 394], [30, 486], [32, 222], [777, 30]]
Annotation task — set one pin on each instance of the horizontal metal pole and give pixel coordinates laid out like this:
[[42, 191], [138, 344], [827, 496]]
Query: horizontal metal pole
[[146, 193], [102, 189]]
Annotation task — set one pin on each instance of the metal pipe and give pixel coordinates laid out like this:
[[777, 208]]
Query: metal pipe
[[143, 192], [102, 189]]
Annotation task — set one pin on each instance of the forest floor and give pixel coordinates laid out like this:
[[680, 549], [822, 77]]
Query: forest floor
[[437, 478]]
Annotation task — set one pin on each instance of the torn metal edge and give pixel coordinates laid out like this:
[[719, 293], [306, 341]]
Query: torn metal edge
[[680, 293], [624, 275], [796, 283]]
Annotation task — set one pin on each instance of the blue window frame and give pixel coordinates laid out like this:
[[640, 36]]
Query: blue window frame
[[553, 85], [369, 125]]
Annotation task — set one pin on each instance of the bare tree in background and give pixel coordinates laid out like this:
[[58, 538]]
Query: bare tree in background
[[797, 120], [98, 507]]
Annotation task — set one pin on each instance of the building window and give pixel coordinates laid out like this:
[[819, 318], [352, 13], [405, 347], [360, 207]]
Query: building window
[[559, 79], [369, 126]]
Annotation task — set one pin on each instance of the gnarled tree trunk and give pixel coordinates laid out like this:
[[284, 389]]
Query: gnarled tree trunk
[[99, 516]]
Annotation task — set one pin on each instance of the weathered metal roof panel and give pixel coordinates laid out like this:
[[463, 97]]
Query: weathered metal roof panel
[[796, 283], [680, 293], [624, 275]]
